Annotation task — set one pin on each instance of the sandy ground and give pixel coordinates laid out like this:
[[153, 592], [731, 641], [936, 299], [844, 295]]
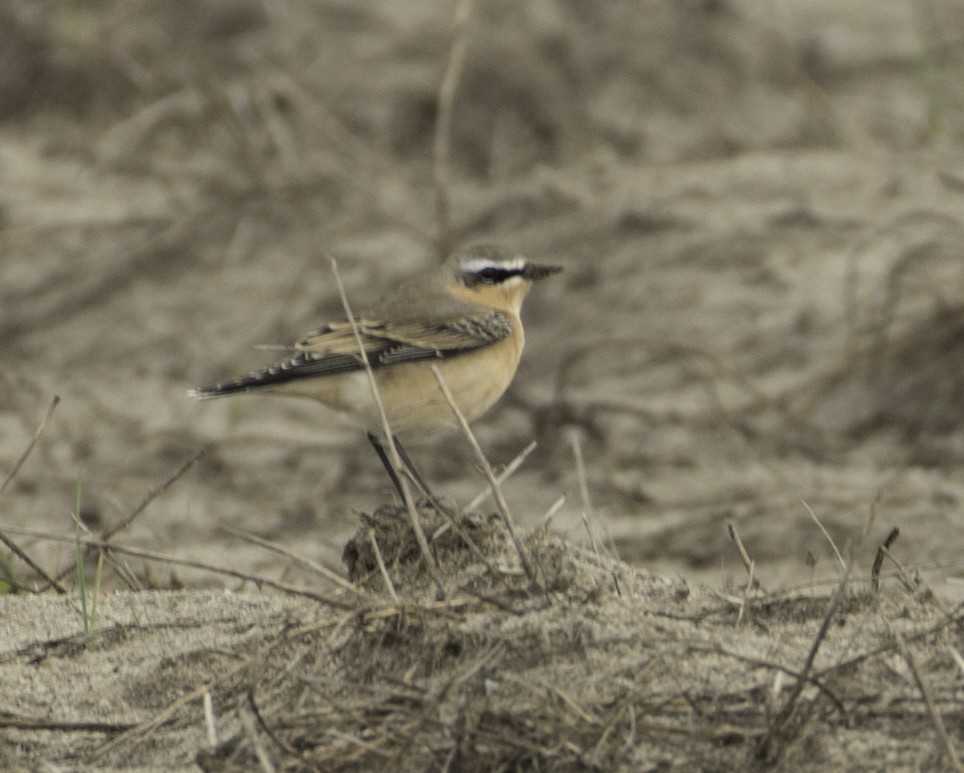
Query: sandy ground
[[759, 324]]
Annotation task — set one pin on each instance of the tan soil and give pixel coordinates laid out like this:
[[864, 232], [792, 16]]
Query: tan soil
[[759, 211]]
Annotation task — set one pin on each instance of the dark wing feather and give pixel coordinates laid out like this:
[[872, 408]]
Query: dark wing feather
[[334, 349]]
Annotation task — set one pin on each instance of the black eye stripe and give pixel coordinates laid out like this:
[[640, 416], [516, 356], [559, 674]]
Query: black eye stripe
[[491, 275]]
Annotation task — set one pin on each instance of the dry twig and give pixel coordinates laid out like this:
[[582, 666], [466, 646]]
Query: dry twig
[[443, 125], [503, 476], [150, 555], [487, 469], [153, 494], [251, 732], [748, 562], [764, 748], [554, 508], [587, 509], [389, 585], [390, 441], [882, 551], [927, 695], [11, 545], [307, 563], [210, 723], [843, 564], [30, 446]]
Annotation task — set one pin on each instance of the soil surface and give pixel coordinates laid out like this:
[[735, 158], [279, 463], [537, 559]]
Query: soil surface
[[757, 344]]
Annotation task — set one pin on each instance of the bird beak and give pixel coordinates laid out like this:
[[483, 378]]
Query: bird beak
[[534, 271]]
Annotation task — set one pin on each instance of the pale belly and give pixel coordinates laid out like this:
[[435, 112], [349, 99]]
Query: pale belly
[[410, 393]]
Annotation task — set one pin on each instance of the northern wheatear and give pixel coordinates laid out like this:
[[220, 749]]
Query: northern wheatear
[[462, 317]]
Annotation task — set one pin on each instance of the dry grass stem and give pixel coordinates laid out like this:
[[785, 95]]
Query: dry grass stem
[[144, 728], [748, 563], [389, 586], [882, 551], [593, 542], [928, 696], [307, 563], [588, 513], [33, 442], [554, 508], [573, 436], [764, 749], [256, 712], [580, 711], [12, 546], [152, 495], [158, 720], [490, 476], [957, 658], [840, 560], [910, 585], [453, 523], [920, 634], [503, 476], [780, 668], [149, 555], [355, 741], [251, 732], [442, 146], [390, 440], [45, 723], [873, 512], [209, 722], [745, 600]]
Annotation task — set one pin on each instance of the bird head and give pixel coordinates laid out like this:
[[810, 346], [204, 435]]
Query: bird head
[[492, 275]]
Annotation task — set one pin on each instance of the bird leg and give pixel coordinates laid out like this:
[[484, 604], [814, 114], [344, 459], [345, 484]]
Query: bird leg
[[376, 442], [410, 467]]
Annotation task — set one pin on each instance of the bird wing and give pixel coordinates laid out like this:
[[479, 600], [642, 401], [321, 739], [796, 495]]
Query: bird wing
[[386, 343], [334, 349]]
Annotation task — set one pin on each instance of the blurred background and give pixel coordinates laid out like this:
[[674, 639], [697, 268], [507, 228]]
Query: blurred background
[[758, 206]]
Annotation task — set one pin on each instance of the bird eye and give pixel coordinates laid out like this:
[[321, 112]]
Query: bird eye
[[490, 275]]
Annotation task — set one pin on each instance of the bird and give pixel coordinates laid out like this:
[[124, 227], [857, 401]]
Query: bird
[[463, 317]]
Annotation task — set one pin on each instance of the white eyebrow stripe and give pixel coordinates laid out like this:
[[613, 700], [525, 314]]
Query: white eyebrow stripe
[[474, 265]]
